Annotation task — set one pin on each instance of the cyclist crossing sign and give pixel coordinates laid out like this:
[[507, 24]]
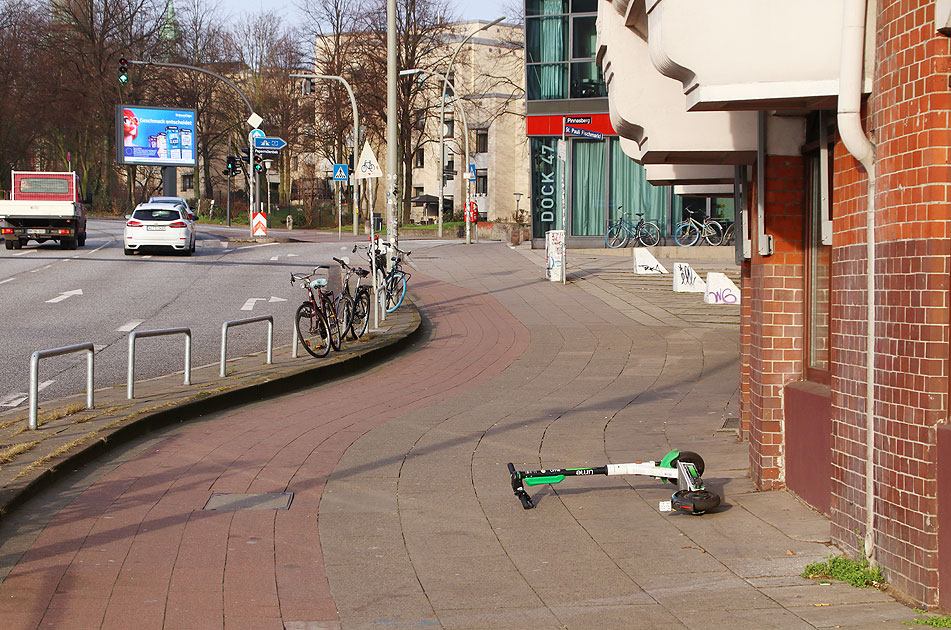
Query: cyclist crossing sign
[[368, 166]]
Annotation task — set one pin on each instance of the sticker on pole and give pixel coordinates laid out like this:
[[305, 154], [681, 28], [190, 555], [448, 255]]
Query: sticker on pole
[[259, 224], [368, 166]]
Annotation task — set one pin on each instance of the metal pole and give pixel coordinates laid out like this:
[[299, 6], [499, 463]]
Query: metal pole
[[339, 213], [34, 393], [90, 369], [228, 210], [392, 155], [252, 177]]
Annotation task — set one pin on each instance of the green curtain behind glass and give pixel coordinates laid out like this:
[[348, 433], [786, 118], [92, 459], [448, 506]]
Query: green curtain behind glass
[[629, 188], [552, 48], [587, 188]]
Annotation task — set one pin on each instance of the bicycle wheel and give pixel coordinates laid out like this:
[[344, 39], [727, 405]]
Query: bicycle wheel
[[649, 234], [344, 314], [713, 233], [393, 292], [333, 324], [616, 237], [312, 330], [729, 235], [686, 234], [361, 314]]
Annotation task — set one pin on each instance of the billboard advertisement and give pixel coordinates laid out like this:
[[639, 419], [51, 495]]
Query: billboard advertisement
[[155, 136]]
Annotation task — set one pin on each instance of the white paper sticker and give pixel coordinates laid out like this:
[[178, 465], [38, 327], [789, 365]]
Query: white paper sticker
[[664, 506]]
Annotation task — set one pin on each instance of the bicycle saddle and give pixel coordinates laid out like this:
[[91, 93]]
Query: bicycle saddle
[[363, 273], [318, 282]]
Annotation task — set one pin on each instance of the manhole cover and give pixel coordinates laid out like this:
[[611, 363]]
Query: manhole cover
[[264, 501]]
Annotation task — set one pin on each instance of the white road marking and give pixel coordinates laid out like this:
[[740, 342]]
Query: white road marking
[[7, 280], [249, 305], [146, 257], [130, 326], [15, 400], [276, 299], [65, 295], [295, 255], [258, 245], [274, 257], [40, 269], [25, 251]]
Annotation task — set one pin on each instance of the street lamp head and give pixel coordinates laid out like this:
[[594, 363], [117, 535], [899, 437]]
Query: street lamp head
[[518, 196], [406, 73]]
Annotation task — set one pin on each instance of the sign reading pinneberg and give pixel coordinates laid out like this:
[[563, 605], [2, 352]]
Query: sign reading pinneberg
[[155, 136]]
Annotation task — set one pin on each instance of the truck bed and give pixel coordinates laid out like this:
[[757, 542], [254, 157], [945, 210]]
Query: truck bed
[[40, 209]]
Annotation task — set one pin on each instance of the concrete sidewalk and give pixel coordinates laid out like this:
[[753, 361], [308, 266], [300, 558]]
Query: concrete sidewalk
[[402, 515]]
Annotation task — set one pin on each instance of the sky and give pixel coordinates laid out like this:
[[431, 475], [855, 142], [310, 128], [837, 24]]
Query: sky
[[468, 9]]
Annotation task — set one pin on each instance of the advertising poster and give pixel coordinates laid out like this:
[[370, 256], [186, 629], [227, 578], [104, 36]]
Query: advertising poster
[[155, 136]]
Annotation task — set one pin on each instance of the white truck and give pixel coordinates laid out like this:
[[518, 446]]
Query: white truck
[[44, 207]]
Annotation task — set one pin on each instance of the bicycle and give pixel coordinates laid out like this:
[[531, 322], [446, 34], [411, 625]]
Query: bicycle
[[729, 234], [689, 231], [357, 307], [621, 230], [393, 284], [316, 319]]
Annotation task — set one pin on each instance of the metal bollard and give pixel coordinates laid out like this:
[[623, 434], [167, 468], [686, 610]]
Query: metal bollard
[[239, 322], [55, 352]]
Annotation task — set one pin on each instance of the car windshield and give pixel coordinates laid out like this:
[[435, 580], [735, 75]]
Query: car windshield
[[156, 214]]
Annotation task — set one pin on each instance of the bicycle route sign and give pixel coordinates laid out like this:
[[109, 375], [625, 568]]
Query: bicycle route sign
[[368, 167]]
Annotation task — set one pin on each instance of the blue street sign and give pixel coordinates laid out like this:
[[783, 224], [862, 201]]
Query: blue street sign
[[584, 133], [341, 172], [472, 173], [269, 143], [260, 151], [257, 133]]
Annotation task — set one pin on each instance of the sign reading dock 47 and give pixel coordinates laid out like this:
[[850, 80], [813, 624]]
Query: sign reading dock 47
[[270, 143]]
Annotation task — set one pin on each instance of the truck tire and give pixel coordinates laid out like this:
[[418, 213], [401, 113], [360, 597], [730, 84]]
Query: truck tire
[[8, 244], [67, 243], [20, 243], [82, 239]]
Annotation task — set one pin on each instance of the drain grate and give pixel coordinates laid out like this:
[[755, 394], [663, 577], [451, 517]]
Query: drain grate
[[262, 501]]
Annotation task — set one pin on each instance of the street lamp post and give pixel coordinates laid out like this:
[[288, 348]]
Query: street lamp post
[[442, 124], [356, 135]]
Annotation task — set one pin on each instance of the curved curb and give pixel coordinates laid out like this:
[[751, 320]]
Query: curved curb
[[17, 492]]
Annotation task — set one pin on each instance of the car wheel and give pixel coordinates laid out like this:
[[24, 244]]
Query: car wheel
[[128, 252], [8, 244]]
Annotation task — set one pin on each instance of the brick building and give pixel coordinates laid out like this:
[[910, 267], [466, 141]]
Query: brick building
[[834, 115]]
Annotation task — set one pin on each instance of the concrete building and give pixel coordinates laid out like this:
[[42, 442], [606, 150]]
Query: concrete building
[[834, 117]]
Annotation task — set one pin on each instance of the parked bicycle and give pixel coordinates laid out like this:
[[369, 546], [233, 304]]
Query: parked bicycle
[[316, 319], [729, 234], [393, 283], [622, 230], [689, 231], [355, 306]]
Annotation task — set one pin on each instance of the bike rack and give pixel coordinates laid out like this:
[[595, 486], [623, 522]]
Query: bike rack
[[55, 352], [240, 322], [135, 334]]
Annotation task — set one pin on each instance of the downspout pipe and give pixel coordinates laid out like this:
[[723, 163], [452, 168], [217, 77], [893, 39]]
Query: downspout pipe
[[849, 116]]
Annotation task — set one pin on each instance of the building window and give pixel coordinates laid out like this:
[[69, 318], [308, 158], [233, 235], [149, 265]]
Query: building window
[[560, 50], [419, 119], [450, 128], [417, 191], [419, 159], [450, 169], [482, 141], [188, 181], [482, 182]]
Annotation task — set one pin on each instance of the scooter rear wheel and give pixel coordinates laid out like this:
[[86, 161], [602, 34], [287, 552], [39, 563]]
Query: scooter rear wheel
[[694, 501]]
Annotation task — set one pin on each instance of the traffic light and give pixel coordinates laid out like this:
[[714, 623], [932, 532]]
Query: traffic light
[[232, 167], [123, 71], [244, 155], [259, 166]]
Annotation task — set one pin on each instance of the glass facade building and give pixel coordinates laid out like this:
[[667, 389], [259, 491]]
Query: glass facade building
[[589, 180]]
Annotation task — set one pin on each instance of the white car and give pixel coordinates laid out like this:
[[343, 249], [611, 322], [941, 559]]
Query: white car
[[180, 201], [159, 225]]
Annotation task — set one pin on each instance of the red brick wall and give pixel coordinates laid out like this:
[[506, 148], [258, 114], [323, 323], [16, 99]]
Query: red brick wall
[[776, 318], [908, 117]]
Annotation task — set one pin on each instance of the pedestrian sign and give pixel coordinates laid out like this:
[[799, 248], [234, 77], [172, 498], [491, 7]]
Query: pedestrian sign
[[341, 172], [472, 172], [368, 166]]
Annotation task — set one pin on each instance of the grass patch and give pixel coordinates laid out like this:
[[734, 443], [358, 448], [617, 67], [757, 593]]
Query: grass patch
[[9, 453], [858, 573], [933, 622]]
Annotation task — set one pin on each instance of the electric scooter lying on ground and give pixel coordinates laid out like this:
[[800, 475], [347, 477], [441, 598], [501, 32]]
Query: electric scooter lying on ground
[[684, 467]]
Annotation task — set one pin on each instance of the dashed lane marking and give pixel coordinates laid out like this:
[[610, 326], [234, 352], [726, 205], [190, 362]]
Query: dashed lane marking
[[129, 327]]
